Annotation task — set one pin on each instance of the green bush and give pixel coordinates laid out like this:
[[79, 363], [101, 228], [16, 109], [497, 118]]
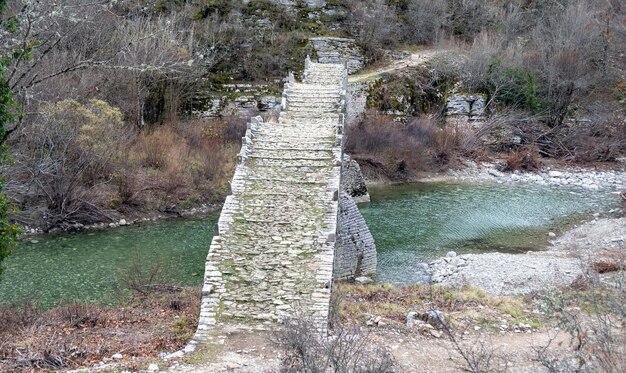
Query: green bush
[[514, 86], [211, 7]]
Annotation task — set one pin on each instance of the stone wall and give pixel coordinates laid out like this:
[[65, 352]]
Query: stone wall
[[465, 109], [339, 50], [356, 99], [356, 251], [242, 100]]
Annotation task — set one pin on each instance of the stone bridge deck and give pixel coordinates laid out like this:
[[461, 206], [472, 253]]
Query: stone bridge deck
[[273, 251]]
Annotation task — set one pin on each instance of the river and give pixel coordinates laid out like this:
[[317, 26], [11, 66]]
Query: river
[[410, 223]]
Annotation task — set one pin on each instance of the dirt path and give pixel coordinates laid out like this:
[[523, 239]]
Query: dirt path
[[414, 353], [414, 59]]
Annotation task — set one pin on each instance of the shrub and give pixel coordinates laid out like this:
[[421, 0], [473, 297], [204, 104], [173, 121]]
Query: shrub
[[594, 316], [348, 350], [80, 314], [398, 149], [445, 144], [8, 231], [153, 147], [373, 24], [525, 158], [143, 279], [603, 139], [425, 20], [66, 157], [514, 86], [468, 17]]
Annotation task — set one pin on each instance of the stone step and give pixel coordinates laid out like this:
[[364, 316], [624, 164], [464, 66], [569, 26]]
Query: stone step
[[320, 87], [274, 181], [322, 77], [293, 105], [292, 134], [334, 92], [291, 148], [314, 110], [265, 162], [275, 143], [289, 157], [304, 98]]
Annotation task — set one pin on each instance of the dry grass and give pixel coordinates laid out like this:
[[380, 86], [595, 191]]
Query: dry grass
[[525, 158], [465, 305], [78, 335], [179, 165]]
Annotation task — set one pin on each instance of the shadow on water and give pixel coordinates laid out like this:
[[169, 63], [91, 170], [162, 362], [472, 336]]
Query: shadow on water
[[415, 223]]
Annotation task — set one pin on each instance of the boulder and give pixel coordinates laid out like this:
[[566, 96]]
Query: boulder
[[435, 317], [363, 280]]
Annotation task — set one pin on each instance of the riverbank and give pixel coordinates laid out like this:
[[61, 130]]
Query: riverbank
[[137, 218], [590, 177], [565, 259], [98, 338], [596, 243], [611, 176]]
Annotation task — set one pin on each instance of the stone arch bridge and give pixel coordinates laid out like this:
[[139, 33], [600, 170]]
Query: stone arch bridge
[[289, 228]]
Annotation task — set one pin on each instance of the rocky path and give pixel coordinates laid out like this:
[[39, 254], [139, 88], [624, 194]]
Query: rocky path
[[273, 254], [414, 59]]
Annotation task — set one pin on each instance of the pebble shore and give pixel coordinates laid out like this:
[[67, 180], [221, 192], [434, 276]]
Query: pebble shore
[[565, 257], [570, 176]]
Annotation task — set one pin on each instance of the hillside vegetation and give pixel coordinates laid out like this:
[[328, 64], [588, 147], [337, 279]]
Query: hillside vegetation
[[102, 94]]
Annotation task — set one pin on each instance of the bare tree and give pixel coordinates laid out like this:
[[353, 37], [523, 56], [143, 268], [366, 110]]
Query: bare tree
[[48, 41], [566, 57], [149, 51], [425, 20], [373, 23]]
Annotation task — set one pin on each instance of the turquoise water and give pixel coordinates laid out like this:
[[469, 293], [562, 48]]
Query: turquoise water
[[415, 223], [85, 266], [410, 223]]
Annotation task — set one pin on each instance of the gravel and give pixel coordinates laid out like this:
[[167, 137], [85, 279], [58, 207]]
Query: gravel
[[517, 274], [571, 176]]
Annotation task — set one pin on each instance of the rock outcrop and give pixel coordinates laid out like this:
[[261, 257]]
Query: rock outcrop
[[339, 50], [465, 109], [352, 180]]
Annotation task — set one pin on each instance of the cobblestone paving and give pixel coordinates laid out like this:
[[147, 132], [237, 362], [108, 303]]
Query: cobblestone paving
[[274, 250]]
